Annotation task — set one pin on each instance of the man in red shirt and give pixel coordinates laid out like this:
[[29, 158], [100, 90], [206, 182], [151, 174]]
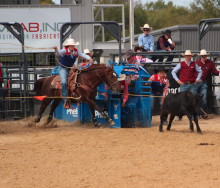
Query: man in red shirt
[[207, 67], [124, 89], [159, 87], [187, 68]]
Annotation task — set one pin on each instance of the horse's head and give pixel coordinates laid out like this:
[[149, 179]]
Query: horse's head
[[111, 79]]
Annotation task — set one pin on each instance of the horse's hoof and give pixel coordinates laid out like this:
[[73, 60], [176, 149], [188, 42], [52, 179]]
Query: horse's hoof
[[36, 120], [97, 125], [111, 122]]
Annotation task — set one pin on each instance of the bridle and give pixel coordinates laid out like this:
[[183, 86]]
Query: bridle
[[111, 84]]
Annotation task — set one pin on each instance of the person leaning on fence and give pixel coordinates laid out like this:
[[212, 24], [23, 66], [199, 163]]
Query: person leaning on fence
[[164, 44], [3, 75], [187, 68], [140, 58], [129, 56], [159, 87], [124, 89], [68, 54], [207, 67], [146, 40]]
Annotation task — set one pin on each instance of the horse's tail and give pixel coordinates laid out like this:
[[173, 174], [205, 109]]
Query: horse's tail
[[38, 85]]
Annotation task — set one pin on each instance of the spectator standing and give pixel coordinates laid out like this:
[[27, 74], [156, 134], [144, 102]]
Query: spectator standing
[[3, 75], [207, 67], [187, 68], [146, 40], [164, 44]]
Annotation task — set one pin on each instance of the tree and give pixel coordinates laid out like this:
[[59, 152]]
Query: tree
[[46, 2]]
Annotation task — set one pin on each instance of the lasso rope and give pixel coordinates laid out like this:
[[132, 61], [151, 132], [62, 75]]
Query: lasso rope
[[70, 68]]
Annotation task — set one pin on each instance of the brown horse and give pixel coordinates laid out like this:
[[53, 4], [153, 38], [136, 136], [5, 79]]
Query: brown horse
[[87, 82]]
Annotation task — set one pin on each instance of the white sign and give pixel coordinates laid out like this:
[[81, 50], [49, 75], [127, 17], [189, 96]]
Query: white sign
[[73, 112], [41, 28]]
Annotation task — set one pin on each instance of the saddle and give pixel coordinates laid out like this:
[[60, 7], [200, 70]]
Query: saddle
[[72, 78]]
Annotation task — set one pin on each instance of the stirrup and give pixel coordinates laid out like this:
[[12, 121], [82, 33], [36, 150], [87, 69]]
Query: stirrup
[[67, 104]]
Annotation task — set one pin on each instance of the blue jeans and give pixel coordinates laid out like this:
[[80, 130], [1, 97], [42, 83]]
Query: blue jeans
[[161, 57], [64, 72], [201, 88], [153, 98], [188, 87], [2, 104]]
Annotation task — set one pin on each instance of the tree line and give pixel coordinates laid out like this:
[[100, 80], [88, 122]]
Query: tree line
[[157, 14]]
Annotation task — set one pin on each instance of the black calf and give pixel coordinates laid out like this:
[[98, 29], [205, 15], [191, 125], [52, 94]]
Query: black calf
[[180, 104]]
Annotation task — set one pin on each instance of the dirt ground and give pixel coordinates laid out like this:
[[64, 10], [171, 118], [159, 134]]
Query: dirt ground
[[74, 155]]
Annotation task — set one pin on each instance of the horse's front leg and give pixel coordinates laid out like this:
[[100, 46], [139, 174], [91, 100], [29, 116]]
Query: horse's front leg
[[96, 124], [93, 105]]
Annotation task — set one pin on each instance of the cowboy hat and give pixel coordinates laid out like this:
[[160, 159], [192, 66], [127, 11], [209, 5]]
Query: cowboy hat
[[203, 52], [70, 42], [187, 52], [146, 26], [128, 54], [167, 32], [86, 51], [161, 69], [121, 77]]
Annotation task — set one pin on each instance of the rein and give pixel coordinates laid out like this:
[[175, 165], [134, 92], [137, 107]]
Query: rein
[[107, 78]]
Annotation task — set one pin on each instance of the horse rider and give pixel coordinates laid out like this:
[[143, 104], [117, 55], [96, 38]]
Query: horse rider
[[68, 54]]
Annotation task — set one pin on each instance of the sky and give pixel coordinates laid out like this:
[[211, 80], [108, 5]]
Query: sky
[[175, 2]]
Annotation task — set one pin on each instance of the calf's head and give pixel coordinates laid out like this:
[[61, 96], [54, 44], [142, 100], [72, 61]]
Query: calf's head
[[197, 101]]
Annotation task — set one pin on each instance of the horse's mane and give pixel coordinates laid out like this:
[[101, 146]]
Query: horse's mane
[[94, 66]]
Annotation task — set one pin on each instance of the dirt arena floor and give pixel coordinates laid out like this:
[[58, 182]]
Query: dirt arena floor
[[74, 155]]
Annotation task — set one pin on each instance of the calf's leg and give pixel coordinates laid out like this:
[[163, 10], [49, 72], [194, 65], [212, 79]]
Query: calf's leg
[[190, 121], [162, 116], [197, 124], [170, 121]]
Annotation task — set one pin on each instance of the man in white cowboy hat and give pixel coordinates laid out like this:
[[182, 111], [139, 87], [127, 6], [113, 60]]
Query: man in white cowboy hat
[[187, 68], [207, 67], [124, 89], [164, 43], [130, 58], [159, 87], [68, 54], [146, 40]]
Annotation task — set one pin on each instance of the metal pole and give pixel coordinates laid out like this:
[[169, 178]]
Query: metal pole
[[131, 23]]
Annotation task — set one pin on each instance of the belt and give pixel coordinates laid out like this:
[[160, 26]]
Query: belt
[[200, 81], [188, 82]]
